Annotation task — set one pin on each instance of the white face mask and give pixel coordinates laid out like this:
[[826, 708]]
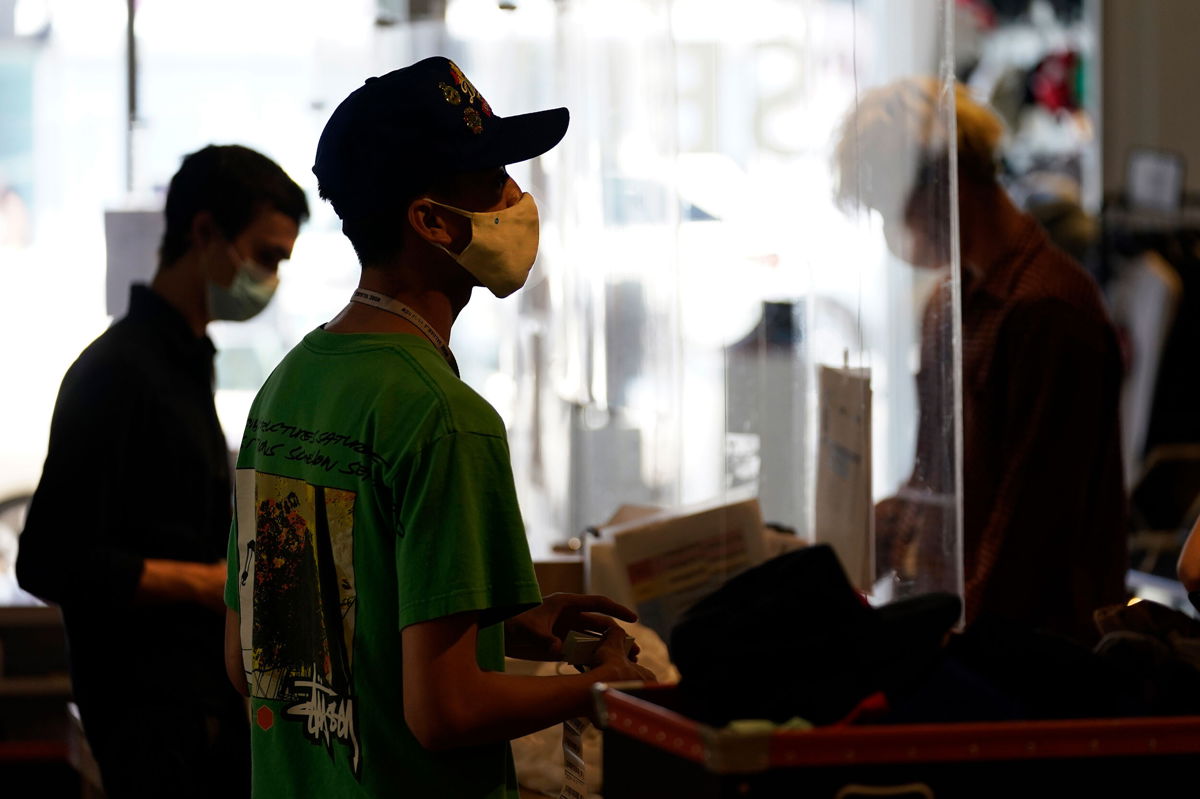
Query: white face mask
[[503, 245], [248, 294]]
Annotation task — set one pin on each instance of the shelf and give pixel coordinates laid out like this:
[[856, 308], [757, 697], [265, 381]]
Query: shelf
[[50, 685]]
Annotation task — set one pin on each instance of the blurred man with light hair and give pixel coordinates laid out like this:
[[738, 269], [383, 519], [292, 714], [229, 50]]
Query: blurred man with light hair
[[1043, 501]]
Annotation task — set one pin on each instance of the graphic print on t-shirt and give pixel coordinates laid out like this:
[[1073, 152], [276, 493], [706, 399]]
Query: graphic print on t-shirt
[[297, 590]]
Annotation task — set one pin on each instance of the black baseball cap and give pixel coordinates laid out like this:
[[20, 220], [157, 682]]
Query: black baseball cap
[[398, 131]]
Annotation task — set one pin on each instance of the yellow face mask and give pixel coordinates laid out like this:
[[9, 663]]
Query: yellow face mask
[[503, 245]]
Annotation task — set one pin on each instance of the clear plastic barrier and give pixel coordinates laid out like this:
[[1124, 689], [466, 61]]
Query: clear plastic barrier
[[724, 310], [702, 303]]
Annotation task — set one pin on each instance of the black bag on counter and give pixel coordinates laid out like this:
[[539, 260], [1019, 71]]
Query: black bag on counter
[[791, 637]]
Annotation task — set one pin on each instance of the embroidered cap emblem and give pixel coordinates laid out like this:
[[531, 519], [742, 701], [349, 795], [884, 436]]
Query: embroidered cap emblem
[[466, 90], [473, 120], [450, 93], [464, 85]]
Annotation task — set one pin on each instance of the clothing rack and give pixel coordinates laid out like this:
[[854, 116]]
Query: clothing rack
[[1165, 495]]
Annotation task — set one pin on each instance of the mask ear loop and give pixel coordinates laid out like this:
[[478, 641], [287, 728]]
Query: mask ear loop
[[258, 274], [460, 211], [472, 214], [465, 215]]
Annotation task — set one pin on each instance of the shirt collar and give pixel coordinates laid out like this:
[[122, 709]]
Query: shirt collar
[[148, 307], [996, 279]]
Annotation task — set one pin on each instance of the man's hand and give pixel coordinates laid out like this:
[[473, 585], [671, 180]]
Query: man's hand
[[450, 702], [611, 663], [538, 634], [210, 585], [165, 581]]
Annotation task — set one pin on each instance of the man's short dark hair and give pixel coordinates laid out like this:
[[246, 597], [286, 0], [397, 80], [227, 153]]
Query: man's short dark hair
[[234, 184], [378, 236]]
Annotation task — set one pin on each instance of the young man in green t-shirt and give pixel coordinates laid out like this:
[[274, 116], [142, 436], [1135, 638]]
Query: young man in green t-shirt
[[378, 568]]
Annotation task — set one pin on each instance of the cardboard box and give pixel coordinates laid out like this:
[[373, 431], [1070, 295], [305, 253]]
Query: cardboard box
[[662, 562]]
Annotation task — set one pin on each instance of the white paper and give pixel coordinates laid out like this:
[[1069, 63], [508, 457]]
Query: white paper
[[574, 769], [844, 513], [663, 563], [131, 241], [1154, 180]]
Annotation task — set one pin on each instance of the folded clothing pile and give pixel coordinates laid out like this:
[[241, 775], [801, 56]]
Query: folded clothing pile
[[791, 637]]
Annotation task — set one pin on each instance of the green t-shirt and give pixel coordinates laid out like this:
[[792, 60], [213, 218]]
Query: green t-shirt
[[374, 491]]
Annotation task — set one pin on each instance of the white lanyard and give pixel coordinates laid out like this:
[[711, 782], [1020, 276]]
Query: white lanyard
[[385, 303], [574, 776]]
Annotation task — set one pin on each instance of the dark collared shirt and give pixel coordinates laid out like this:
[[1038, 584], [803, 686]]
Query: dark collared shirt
[[137, 468], [1044, 528]]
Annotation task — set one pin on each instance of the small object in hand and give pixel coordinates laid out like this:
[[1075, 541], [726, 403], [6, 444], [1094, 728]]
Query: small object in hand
[[579, 648]]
